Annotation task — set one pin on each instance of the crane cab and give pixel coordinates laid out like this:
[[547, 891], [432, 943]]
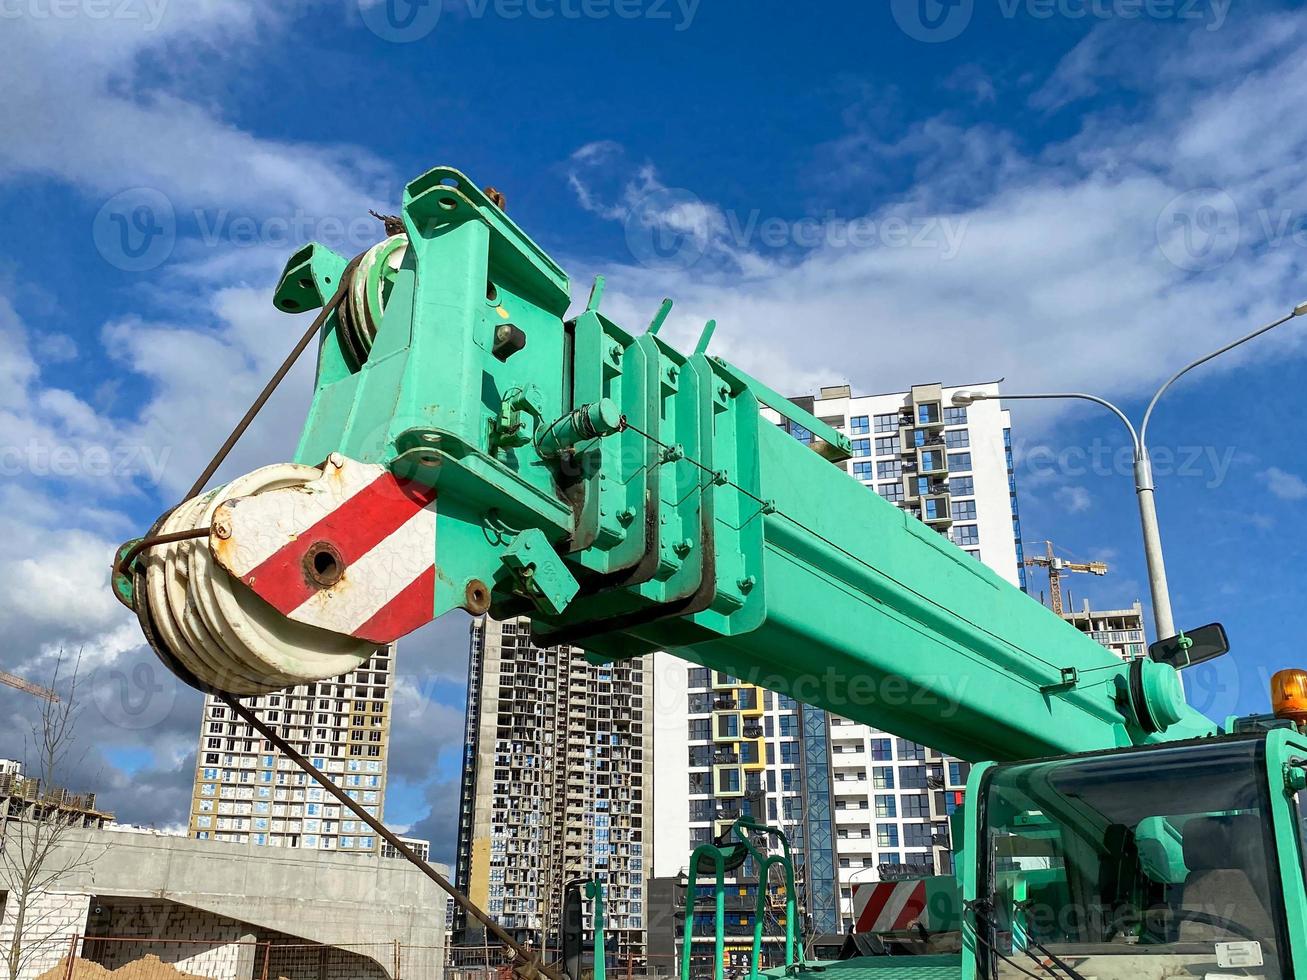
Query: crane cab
[[1184, 859]]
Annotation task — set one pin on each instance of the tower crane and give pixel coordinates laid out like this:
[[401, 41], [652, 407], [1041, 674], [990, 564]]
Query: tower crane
[[22, 684], [474, 443], [1056, 567]]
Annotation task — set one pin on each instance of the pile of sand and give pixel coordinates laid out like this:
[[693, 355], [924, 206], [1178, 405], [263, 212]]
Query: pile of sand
[[148, 967]]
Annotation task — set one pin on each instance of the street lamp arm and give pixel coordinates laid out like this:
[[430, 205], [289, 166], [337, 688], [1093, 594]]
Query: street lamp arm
[[1298, 310], [1134, 436]]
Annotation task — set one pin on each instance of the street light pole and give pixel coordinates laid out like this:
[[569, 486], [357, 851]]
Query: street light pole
[[1163, 621]]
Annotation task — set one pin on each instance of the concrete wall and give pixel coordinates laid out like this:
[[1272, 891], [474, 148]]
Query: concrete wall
[[203, 904], [318, 896]]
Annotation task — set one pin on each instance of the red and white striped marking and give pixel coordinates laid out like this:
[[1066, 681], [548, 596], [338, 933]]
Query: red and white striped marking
[[888, 906], [379, 530]]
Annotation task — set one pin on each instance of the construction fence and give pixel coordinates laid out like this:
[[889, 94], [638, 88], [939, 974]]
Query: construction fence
[[83, 957]]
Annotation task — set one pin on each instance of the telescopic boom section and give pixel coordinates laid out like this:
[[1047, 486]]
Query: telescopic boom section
[[488, 451]]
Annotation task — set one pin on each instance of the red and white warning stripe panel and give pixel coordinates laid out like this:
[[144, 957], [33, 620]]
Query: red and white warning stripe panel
[[888, 906], [352, 551]]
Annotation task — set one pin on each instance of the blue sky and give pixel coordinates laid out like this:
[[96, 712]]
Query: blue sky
[[1068, 194]]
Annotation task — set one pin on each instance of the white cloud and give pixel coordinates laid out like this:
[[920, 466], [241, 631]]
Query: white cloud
[[79, 472], [1286, 486], [1069, 257], [1076, 500]]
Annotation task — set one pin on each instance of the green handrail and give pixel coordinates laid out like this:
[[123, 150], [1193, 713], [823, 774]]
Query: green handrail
[[741, 829], [594, 890]]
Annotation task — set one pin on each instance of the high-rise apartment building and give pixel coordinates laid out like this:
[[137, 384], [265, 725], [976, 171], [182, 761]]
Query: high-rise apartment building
[[556, 776], [246, 790]]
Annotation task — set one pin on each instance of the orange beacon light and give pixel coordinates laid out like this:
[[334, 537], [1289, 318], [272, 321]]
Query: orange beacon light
[[1289, 695]]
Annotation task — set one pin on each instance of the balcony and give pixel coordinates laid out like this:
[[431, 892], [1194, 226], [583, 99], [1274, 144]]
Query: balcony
[[937, 511]]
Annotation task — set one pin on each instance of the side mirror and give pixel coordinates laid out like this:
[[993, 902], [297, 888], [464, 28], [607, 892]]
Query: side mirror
[[1194, 647]]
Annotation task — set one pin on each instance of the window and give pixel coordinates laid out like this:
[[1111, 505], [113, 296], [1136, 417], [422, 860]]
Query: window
[[862, 470], [911, 751], [882, 777], [861, 447], [1183, 831], [912, 777], [789, 726], [958, 773], [959, 462], [882, 750], [891, 491], [728, 726], [964, 510], [790, 752], [728, 780], [933, 459], [698, 677], [962, 486], [887, 835], [916, 805], [916, 835], [886, 807], [858, 425], [799, 432], [928, 412], [955, 415], [887, 446], [890, 469], [957, 439], [933, 508], [887, 423], [966, 534]]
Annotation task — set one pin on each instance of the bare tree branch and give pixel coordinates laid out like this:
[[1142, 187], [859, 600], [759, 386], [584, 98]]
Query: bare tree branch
[[38, 846]]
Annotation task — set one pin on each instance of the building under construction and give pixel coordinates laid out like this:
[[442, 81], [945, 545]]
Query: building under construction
[[1120, 630], [557, 771], [28, 798]]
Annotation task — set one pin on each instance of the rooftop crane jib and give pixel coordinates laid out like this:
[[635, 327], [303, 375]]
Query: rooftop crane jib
[[1056, 566], [471, 445]]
